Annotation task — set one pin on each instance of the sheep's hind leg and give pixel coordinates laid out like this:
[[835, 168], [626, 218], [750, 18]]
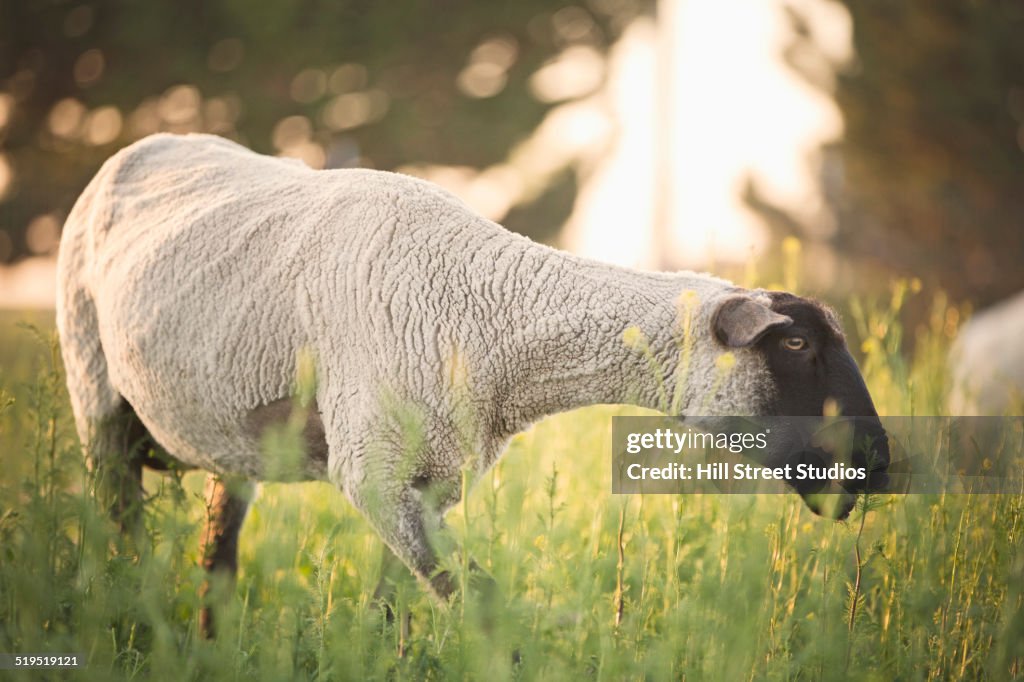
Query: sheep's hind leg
[[118, 446], [227, 502]]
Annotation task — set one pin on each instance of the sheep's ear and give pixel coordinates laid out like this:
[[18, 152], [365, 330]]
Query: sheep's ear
[[741, 321]]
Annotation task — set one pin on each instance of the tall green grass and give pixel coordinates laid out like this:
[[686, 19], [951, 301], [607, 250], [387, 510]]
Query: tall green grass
[[594, 586]]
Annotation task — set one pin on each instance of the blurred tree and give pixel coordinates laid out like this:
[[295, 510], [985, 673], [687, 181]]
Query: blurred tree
[[929, 177], [336, 83]]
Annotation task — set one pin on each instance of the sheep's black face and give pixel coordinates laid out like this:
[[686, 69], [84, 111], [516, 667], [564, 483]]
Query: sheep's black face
[[813, 373]]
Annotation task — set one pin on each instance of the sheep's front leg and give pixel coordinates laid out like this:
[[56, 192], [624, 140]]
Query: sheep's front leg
[[227, 502], [409, 521], [408, 526], [392, 571]]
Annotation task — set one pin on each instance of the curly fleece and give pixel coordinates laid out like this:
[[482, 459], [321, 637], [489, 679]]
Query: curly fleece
[[193, 272]]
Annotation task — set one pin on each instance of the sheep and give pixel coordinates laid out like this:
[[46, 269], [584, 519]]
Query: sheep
[[194, 274], [986, 362]]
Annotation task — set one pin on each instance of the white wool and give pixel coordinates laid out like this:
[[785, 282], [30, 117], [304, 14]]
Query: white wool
[[987, 362], [193, 272]]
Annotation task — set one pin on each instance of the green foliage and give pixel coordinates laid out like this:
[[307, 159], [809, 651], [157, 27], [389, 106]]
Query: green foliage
[[707, 587]]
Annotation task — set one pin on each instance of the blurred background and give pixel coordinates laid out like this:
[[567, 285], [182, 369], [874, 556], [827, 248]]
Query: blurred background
[[887, 138], [868, 152]]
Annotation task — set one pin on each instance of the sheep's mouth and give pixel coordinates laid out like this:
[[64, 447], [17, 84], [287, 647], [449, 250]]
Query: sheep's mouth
[[836, 498], [860, 445]]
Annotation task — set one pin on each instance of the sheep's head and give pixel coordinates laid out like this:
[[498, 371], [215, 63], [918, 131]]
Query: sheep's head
[[803, 358]]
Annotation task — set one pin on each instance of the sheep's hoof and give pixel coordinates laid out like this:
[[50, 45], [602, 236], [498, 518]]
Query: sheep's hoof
[[444, 585]]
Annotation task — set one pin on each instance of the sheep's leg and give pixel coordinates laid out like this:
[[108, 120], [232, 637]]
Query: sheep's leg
[[393, 571], [226, 505], [110, 431], [408, 527], [408, 522], [118, 445]]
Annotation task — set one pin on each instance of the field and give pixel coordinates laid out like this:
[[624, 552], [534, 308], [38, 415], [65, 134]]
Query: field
[[594, 586]]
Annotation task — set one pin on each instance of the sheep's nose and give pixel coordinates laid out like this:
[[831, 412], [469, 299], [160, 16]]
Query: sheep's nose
[[845, 506]]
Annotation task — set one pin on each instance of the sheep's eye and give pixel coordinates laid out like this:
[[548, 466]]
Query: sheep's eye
[[794, 343]]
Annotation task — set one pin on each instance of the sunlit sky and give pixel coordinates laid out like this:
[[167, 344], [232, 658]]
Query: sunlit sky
[[689, 108]]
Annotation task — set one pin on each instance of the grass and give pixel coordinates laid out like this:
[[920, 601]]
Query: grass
[[594, 586]]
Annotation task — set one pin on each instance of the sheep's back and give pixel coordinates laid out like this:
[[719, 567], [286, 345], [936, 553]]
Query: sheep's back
[[212, 267], [203, 261]]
